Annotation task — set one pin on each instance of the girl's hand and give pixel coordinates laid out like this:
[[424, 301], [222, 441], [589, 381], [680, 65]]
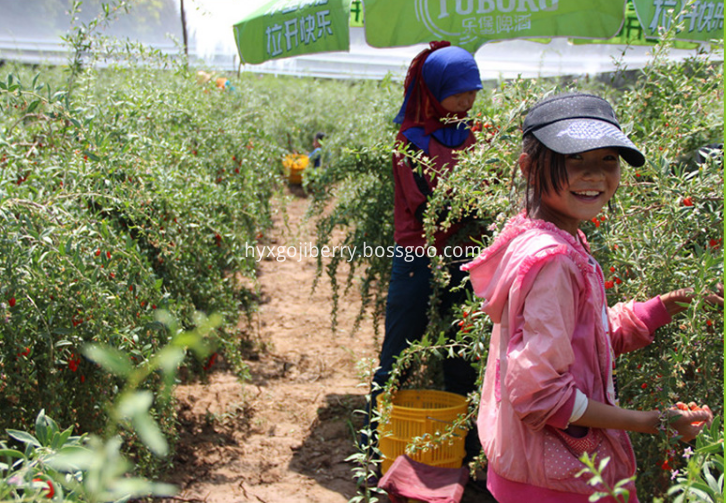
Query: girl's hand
[[690, 419], [674, 301]]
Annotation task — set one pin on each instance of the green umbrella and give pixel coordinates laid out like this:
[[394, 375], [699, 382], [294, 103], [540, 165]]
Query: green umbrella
[[471, 23], [284, 28], [702, 21]]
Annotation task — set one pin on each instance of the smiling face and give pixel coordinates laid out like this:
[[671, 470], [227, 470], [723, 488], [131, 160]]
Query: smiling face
[[592, 179], [460, 102]]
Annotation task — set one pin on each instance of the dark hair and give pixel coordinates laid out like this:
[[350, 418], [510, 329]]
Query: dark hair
[[546, 172], [319, 136]]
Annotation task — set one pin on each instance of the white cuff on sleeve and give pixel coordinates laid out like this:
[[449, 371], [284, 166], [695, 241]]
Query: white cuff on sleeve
[[580, 406]]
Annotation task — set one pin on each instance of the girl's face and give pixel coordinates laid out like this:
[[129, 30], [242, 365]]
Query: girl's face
[[592, 179], [460, 102]]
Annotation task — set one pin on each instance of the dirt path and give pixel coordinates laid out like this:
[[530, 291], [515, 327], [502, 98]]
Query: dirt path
[[284, 436]]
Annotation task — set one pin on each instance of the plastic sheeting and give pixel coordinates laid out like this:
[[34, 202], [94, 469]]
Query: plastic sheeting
[[501, 60]]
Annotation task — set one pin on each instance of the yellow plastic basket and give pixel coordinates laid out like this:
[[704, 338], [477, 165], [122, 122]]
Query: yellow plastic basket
[[294, 165], [415, 413]]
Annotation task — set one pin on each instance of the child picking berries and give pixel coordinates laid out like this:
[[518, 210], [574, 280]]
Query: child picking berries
[[549, 394]]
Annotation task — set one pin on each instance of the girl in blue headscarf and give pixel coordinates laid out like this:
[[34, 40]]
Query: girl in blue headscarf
[[442, 81], [441, 85]]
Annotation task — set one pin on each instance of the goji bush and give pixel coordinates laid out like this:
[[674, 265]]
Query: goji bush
[[123, 191]]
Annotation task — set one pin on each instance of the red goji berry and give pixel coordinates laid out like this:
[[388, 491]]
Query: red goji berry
[[50, 490], [11, 301], [73, 362], [210, 361]]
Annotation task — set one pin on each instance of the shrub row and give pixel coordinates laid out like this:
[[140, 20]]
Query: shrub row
[[137, 192]]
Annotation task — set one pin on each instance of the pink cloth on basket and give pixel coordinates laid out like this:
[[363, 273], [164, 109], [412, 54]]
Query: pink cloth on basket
[[407, 478]]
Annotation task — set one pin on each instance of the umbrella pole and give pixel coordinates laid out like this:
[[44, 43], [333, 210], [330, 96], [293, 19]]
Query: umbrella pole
[[184, 28]]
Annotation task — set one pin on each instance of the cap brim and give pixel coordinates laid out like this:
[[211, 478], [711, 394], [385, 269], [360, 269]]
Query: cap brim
[[580, 135]]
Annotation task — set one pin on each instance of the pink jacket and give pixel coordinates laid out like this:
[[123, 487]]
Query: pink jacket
[[545, 295]]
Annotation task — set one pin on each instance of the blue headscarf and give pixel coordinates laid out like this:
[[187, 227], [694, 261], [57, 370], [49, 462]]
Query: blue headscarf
[[435, 74]]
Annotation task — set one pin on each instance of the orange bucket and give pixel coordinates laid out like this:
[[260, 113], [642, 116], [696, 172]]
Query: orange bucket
[[294, 165]]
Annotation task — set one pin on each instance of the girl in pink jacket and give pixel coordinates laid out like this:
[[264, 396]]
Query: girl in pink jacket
[[548, 394]]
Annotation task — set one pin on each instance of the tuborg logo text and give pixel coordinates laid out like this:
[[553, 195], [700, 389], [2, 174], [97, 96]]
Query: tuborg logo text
[[436, 15]]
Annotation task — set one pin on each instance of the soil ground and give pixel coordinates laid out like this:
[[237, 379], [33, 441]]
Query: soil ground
[[283, 436]]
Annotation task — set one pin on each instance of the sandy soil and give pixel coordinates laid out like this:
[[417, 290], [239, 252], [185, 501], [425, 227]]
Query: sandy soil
[[284, 436]]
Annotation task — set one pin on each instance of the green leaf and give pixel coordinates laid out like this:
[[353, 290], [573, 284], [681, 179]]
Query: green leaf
[[135, 403], [73, 458], [137, 487], [710, 449], [701, 488], [41, 428], [111, 359], [60, 438], [603, 464], [24, 437], [170, 358], [135, 407], [91, 155], [11, 453], [150, 434], [33, 105]]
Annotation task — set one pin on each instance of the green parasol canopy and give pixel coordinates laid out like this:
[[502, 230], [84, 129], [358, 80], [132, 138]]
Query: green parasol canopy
[[284, 28], [471, 23], [702, 22]]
